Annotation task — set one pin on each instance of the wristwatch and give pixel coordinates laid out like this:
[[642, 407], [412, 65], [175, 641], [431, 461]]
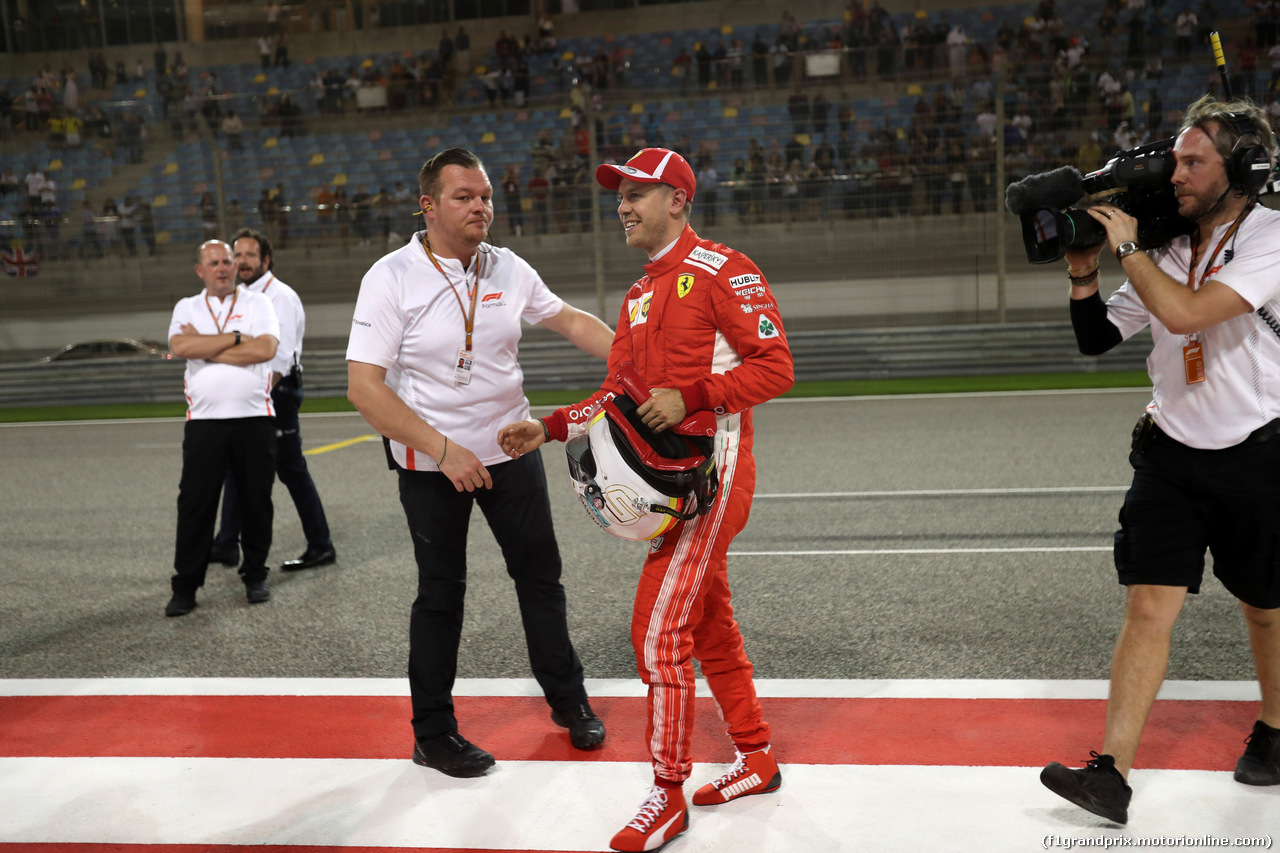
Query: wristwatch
[[1125, 249], [237, 343]]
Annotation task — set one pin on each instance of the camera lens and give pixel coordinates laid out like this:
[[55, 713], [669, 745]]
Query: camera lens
[[1047, 234]]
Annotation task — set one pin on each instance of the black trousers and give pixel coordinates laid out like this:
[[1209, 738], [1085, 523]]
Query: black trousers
[[291, 468], [519, 514], [246, 447]]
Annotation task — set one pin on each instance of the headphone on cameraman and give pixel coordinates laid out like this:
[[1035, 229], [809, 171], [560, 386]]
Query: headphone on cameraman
[[1249, 165]]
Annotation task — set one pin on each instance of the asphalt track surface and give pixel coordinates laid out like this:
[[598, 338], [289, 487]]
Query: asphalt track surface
[[911, 537], [925, 588]]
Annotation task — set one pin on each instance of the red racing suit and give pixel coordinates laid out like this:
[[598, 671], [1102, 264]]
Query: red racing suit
[[702, 320]]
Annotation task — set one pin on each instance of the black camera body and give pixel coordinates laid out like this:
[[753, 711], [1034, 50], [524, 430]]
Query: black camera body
[[1138, 182]]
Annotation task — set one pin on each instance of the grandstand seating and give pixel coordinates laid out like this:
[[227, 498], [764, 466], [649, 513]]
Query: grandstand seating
[[78, 171], [650, 55], [720, 120]]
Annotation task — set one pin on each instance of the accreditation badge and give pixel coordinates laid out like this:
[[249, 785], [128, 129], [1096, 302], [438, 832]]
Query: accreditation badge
[[462, 371], [1193, 361]]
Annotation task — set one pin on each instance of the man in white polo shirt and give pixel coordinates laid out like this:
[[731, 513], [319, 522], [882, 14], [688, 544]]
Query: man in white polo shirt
[[228, 335], [1206, 455], [432, 366], [35, 183], [253, 259]]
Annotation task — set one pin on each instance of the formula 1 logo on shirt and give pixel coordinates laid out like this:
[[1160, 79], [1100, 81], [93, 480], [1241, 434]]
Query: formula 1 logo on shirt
[[492, 300], [684, 284], [638, 310], [767, 329]]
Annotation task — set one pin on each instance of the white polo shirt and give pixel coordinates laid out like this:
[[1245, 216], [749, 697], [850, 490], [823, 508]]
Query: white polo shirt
[[293, 321], [221, 391], [1241, 391], [408, 321]]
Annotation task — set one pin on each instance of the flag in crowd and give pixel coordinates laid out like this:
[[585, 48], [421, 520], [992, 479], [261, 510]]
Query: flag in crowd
[[20, 262]]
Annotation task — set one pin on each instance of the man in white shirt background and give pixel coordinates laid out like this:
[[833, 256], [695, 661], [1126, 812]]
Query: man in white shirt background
[[128, 223], [35, 183], [253, 261], [228, 335]]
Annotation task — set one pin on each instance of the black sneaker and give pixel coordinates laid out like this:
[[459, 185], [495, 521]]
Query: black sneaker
[[452, 755], [1260, 764], [181, 604], [256, 591], [1098, 788], [585, 729]]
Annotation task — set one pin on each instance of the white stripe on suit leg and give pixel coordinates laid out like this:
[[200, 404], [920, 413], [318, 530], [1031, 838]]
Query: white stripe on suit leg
[[655, 639]]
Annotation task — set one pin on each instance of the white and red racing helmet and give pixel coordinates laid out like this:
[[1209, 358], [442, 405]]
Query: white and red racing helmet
[[638, 484]]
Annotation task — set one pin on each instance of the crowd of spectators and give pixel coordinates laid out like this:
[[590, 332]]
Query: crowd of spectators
[[1071, 97], [56, 110], [867, 43], [38, 220], [1056, 72]]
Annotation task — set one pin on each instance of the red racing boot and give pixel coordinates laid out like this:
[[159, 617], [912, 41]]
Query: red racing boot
[[663, 815], [754, 773]]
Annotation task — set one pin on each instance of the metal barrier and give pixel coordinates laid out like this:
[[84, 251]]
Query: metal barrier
[[552, 365]]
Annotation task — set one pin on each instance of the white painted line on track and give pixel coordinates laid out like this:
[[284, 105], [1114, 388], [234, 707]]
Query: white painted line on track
[[878, 398], [577, 806], [945, 395], [166, 420], [805, 688], [888, 552], [945, 493], [869, 398], [94, 422]]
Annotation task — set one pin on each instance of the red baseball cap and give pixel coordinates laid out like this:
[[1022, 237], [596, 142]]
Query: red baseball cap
[[650, 166]]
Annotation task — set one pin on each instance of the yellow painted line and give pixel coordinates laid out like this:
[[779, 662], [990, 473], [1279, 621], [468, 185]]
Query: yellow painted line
[[341, 444]]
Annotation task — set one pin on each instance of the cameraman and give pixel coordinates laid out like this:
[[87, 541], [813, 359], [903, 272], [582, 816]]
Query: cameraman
[[1206, 455]]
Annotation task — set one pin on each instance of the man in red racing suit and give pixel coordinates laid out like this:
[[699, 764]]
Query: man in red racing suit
[[703, 329]]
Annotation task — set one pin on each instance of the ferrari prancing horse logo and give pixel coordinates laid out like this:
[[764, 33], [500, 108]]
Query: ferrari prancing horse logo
[[684, 284]]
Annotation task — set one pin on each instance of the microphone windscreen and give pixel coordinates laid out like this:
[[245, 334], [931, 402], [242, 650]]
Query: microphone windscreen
[[1056, 190]]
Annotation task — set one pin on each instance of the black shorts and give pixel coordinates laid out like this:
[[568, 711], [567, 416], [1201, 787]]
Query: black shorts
[[1184, 501]]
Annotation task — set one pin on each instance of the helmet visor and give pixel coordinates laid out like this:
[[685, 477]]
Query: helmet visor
[[582, 466]]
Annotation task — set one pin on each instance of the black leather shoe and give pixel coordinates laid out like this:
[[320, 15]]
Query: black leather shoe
[[257, 592], [228, 556], [310, 559], [452, 755], [181, 604], [585, 729]]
